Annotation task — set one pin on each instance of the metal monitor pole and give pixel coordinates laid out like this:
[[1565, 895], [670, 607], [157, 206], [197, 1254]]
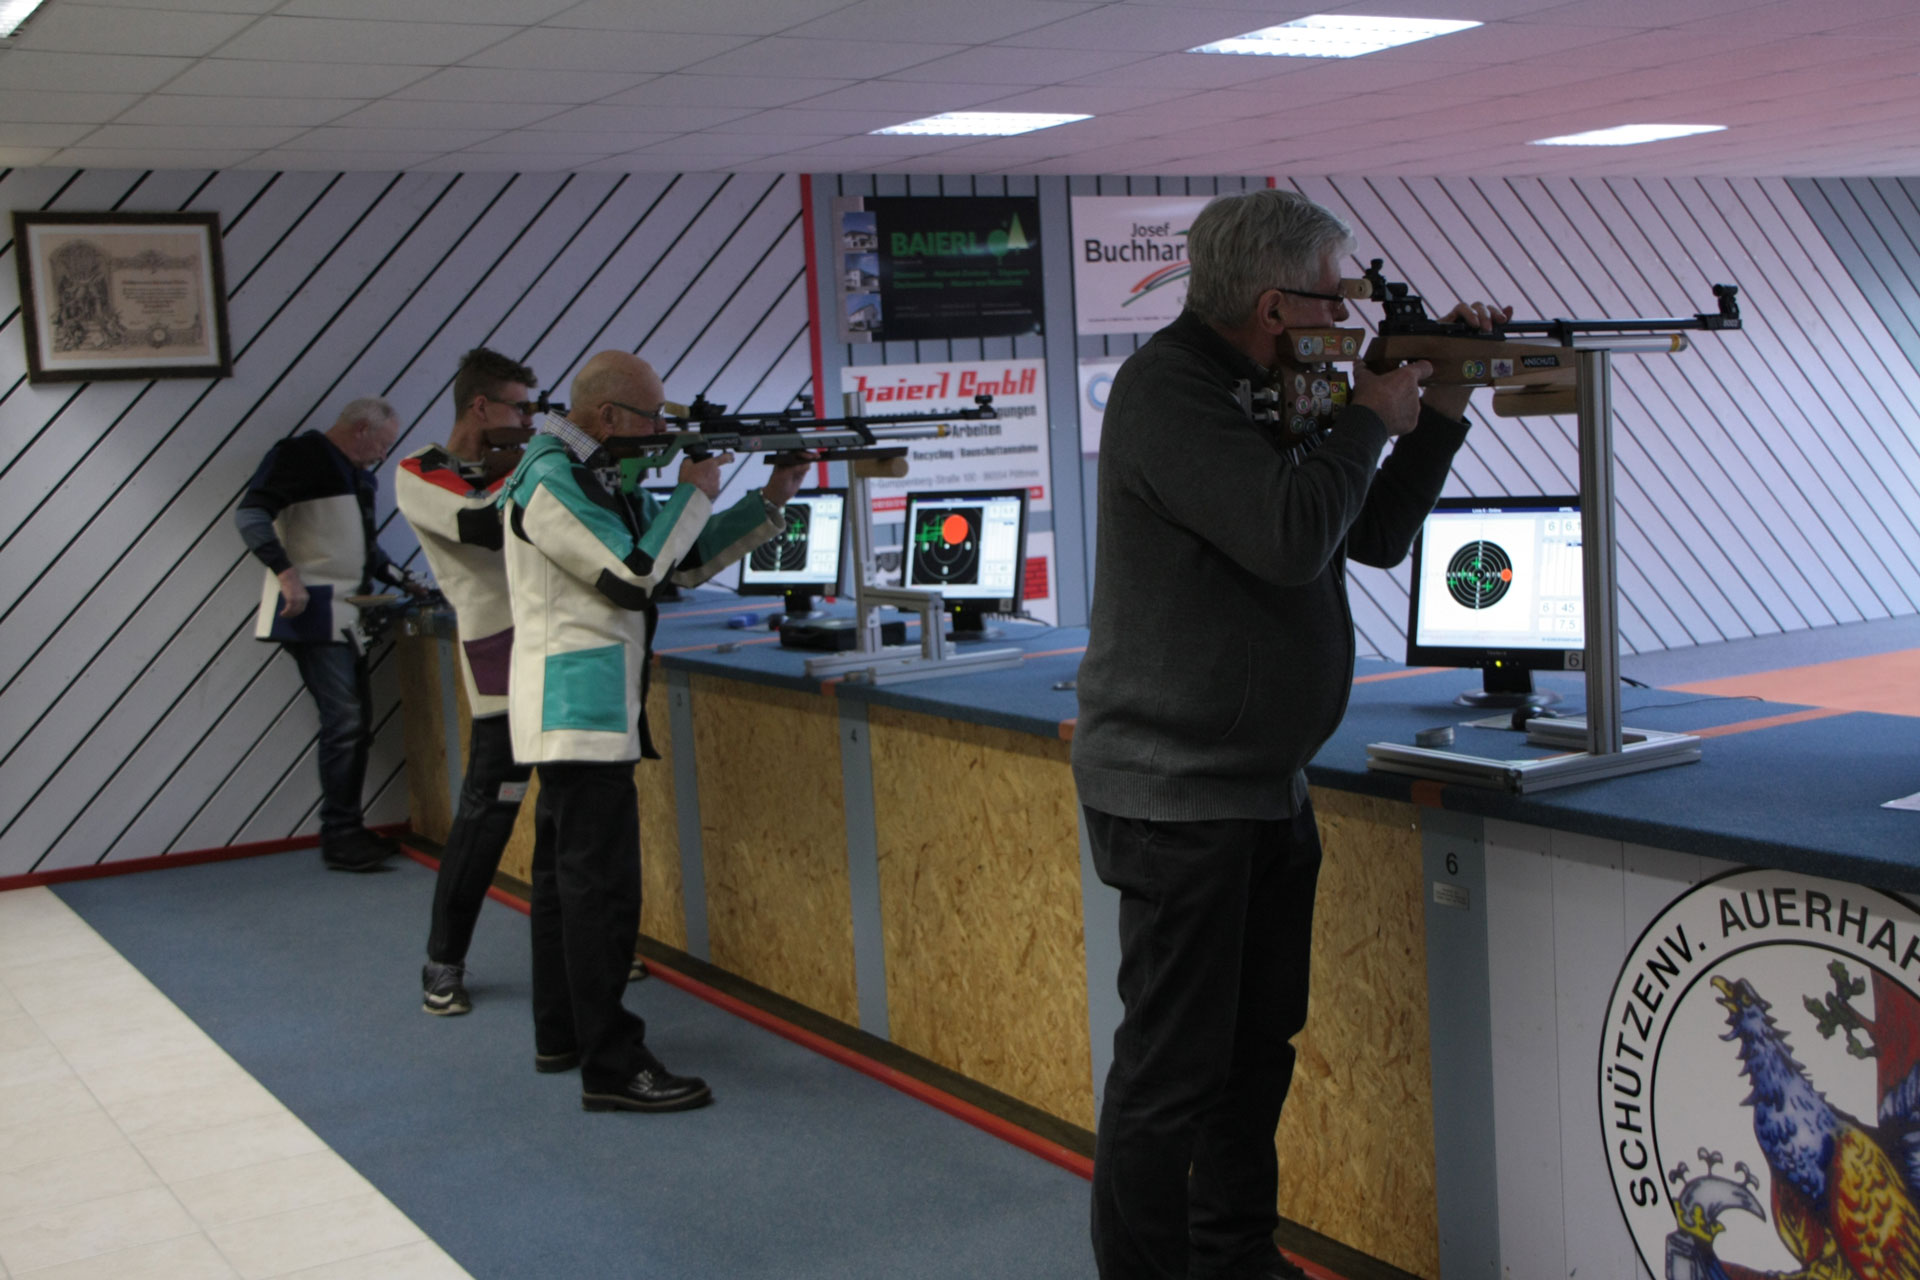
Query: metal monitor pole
[[1595, 401]]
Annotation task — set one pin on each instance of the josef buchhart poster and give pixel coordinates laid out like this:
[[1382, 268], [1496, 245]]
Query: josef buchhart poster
[[1006, 452], [1130, 261]]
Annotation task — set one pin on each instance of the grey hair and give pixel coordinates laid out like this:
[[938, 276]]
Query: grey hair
[[371, 410], [1242, 245]]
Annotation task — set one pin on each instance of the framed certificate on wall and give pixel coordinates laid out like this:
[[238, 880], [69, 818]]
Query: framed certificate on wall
[[122, 295]]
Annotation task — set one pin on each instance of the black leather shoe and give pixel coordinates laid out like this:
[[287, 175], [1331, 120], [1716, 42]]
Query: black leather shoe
[[652, 1088], [360, 851], [548, 1064]]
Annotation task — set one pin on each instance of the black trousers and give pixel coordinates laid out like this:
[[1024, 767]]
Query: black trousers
[[336, 676], [1216, 930], [586, 914], [489, 802]]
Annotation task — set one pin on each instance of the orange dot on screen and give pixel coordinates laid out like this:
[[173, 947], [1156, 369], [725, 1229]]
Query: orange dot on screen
[[955, 530], [1506, 575]]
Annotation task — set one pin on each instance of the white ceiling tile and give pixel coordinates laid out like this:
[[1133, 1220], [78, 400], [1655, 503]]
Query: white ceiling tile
[[803, 119], [975, 22], [343, 161], [1093, 100], [732, 91], [531, 141], [1004, 64], [852, 59], [515, 13], [142, 158], [1186, 71], [238, 77], [1633, 13], [26, 157], [333, 138], [500, 84], [1137, 28], [85, 28], [176, 137], [184, 109], [18, 134], [432, 44], [26, 69], [708, 145], [717, 17], [549, 49], [667, 120], [59, 108], [410, 113], [906, 95]]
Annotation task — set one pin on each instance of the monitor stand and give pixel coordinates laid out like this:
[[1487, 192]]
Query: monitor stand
[[796, 603], [1506, 687], [970, 627]]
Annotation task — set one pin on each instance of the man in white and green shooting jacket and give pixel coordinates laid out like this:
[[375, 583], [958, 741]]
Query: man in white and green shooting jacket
[[585, 549]]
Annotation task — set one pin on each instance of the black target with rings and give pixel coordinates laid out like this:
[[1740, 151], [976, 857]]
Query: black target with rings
[[1479, 574], [786, 551]]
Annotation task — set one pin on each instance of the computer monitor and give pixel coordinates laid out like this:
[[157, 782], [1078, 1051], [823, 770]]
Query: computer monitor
[[1497, 585], [971, 547], [803, 560]]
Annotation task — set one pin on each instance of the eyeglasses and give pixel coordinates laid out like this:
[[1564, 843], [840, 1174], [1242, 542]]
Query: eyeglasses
[[525, 407], [655, 414]]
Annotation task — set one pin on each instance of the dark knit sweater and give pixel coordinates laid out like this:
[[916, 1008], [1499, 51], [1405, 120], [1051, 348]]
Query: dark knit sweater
[[1221, 653]]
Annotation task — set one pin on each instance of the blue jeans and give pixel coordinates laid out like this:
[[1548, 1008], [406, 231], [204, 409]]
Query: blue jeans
[[336, 676]]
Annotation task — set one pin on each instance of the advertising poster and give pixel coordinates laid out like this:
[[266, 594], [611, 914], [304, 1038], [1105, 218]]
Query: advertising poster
[[1130, 261], [996, 453], [1096, 379], [915, 268]]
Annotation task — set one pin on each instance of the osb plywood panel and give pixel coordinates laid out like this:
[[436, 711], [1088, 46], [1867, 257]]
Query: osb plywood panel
[[663, 912], [1356, 1138], [429, 807], [662, 902], [980, 902], [774, 841]]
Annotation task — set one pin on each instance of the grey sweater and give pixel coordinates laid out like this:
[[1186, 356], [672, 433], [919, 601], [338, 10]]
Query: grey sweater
[[1221, 653]]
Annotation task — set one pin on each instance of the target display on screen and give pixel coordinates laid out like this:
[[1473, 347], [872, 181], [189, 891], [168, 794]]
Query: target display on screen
[[967, 546], [804, 554], [786, 551], [946, 545], [1497, 574], [1479, 573]]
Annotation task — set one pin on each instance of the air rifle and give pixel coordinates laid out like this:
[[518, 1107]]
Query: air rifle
[[1529, 377], [788, 435]]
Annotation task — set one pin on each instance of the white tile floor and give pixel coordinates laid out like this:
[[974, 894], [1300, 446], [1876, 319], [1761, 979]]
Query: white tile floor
[[132, 1146]]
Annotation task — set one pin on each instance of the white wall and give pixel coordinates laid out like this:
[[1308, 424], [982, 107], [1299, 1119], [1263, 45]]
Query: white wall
[[138, 716]]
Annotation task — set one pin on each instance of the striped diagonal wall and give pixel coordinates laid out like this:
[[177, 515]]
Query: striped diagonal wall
[[138, 716], [1768, 480]]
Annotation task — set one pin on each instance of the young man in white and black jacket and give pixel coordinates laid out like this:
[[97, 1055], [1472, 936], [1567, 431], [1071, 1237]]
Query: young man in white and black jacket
[[1219, 660], [447, 495], [307, 515]]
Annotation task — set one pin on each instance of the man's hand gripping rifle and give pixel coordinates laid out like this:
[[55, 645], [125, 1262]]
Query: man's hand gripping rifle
[[788, 436], [1528, 377]]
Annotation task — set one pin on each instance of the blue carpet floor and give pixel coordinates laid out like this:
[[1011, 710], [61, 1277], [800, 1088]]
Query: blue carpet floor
[[802, 1168]]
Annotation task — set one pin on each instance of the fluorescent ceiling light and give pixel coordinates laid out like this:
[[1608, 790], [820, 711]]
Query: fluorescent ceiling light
[[982, 124], [1334, 35], [14, 15], [1626, 135]]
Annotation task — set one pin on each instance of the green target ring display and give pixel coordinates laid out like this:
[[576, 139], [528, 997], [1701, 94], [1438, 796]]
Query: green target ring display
[[1479, 574]]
